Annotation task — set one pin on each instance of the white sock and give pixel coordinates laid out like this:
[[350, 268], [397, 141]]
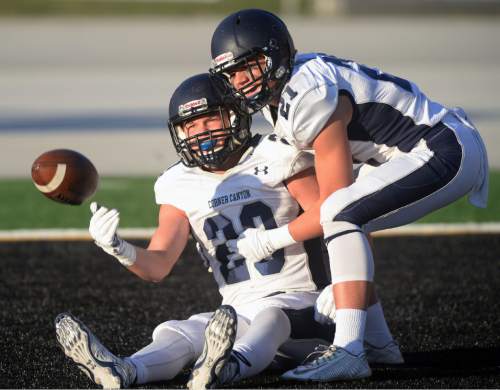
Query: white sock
[[256, 349], [350, 329], [164, 358], [377, 332]]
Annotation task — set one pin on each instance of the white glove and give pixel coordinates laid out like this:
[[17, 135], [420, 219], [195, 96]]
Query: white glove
[[102, 228], [324, 308], [254, 244]]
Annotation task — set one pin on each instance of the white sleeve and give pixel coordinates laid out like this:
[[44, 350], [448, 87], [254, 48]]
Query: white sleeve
[[161, 195], [302, 161], [311, 113], [166, 190]]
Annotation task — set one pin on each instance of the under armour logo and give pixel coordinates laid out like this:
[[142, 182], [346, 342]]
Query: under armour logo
[[261, 170]]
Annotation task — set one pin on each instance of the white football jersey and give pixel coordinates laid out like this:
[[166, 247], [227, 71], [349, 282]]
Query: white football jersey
[[390, 114], [251, 194]]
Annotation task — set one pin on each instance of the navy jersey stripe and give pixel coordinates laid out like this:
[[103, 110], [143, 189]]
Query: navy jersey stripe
[[385, 125]]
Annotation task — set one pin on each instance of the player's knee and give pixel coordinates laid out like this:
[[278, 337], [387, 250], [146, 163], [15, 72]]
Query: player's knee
[[336, 208], [169, 326], [274, 319], [191, 331], [336, 229]]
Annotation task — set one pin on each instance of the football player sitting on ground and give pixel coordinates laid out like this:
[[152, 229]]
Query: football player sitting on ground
[[228, 181], [424, 157]]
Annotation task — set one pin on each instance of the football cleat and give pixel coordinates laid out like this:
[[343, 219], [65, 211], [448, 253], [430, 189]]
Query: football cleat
[[216, 365], [388, 354], [333, 364], [91, 357]]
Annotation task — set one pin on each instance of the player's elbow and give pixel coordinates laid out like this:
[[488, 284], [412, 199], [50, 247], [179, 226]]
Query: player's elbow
[[154, 266], [153, 275], [156, 276], [156, 280]]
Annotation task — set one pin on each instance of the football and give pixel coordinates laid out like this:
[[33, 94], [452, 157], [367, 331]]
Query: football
[[65, 176]]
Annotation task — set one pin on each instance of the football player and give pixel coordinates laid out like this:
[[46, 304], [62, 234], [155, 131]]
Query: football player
[[225, 182], [423, 157]]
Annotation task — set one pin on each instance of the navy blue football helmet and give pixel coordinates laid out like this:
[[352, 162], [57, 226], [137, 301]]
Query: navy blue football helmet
[[207, 94], [243, 38]]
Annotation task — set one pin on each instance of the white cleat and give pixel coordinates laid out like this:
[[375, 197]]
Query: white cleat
[[213, 367], [334, 364], [388, 354], [100, 365]]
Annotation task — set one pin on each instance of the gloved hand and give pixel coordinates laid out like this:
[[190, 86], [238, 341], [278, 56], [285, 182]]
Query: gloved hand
[[255, 244], [324, 308], [102, 228]]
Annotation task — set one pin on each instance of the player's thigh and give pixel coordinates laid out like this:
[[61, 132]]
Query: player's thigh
[[293, 300], [469, 174], [435, 173]]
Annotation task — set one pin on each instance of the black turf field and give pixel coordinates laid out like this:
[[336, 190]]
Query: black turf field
[[441, 296]]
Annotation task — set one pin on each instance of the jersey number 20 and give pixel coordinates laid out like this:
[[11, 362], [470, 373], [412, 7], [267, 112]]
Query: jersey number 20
[[220, 228]]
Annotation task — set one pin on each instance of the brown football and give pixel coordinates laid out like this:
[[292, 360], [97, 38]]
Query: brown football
[[64, 176]]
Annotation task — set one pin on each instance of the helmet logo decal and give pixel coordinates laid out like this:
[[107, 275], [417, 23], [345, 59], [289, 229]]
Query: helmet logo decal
[[273, 43], [280, 72], [221, 58], [193, 105]]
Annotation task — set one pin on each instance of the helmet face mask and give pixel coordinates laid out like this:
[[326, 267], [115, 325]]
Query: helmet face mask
[[259, 89], [206, 124], [210, 148], [258, 43]]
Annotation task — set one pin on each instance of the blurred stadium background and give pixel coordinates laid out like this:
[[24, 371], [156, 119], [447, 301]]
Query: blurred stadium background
[[97, 75]]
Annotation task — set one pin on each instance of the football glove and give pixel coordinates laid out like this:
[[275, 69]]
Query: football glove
[[102, 228], [255, 244], [324, 308]]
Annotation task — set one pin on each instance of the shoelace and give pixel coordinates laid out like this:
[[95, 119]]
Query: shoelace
[[320, 354]]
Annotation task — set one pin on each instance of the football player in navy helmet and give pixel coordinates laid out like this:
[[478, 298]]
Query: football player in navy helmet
[[423, 156], [226, 181], [225, 127], [257, 43]]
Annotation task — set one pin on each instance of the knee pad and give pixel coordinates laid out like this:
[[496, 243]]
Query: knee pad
[[349, 252]]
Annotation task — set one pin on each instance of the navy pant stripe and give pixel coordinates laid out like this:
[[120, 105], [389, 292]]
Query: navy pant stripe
[[328, 239], [429, 178]]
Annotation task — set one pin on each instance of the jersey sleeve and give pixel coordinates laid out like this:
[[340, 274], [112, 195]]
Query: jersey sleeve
[[302, 161], [165, 188], [285, 159], [161, 193], [311, 113]]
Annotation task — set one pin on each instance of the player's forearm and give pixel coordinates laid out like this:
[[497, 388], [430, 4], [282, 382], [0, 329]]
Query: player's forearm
[[153, 265], [306, 225], [166, 245]]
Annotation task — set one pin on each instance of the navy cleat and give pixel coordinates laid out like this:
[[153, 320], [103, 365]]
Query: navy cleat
[[388, 354], [331, 364]]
